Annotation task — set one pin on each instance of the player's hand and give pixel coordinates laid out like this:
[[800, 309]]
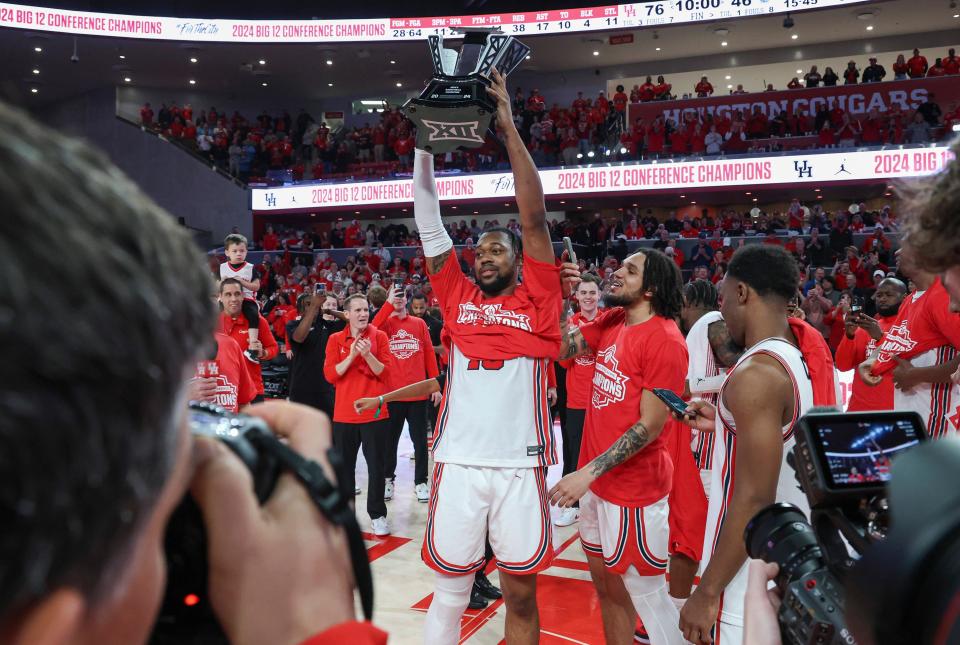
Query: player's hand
[[700, 415], [355, 348], [698, 617], [569, 275], [284, 559], [850, 325], [203, 389], [498, 92], [863, 369], [256, 347], [904, 375], [571, 488], [363, 347], [552, 396], [435, 398], [761, 605], [870, 325], [365, 404]]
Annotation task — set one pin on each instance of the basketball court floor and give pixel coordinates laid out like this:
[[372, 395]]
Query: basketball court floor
[[569, 612]]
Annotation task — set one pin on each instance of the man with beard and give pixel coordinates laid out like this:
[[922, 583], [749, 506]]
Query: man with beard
[[862, 333], [493, 441], [760, 401], [625, 469]]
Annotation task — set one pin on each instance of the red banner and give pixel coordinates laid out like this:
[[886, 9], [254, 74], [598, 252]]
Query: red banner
[[855, 99]]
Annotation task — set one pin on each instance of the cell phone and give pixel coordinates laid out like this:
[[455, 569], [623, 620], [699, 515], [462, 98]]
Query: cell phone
[[671, 399], [320, 288], [398, 283], [856, 305], [567, 244]]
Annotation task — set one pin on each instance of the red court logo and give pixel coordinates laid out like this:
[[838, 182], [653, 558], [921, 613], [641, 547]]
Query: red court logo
[[403, 344], [609, 383]]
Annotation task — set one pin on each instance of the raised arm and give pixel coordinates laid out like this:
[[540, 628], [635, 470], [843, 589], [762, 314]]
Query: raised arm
[[437, 245], [526, 179], [572, 341]]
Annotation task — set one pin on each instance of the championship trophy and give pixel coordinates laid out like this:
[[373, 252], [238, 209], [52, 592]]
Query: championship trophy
[[454, 110]]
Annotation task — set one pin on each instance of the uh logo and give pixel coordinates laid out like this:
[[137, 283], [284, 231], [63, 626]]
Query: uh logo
[[803, 169]]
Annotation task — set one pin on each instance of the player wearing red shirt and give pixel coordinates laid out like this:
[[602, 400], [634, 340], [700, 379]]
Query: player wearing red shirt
[[233, 323], [625, 470], [226, 379], [917, 65], [355, 361], [413, 361], [579, 383], [861, 335], [493, 440]]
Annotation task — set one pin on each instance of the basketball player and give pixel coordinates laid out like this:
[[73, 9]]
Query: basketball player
[[920, 349], [625, 469], [493, 440], [760, 401]]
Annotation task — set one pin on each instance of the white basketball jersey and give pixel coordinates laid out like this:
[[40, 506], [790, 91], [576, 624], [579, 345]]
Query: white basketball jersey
[[702, 365], [495, 414], [245, 272], [724, 462]]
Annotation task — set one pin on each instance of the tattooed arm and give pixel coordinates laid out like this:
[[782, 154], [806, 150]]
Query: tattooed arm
[[726, 351], [572, 342], [654, 415]]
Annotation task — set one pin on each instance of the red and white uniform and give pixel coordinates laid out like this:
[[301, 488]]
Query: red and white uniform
[[579, 373], [702, 366], [724, 475], [244, 272], [494, 436], [625, 516], [926, 334]]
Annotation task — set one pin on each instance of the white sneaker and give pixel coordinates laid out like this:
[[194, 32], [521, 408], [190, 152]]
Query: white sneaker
[[567, 516], [380, 526], [388, 490], [423, 493]]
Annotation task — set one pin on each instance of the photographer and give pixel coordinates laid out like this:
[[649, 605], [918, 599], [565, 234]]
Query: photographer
[[94, 447], [308, 336]]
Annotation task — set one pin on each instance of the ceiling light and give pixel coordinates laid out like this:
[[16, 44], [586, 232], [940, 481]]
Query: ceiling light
[[126, 79], [562, 202], [869, 27], [38, 49], [528, 56], [754, 199], [122, 57], [816, 190], [579, 207], [192, 82], [329, 62], [727, 77], [721, 31], [399, 84], [794, 36], [692, 203], [729, 87], [193, 59], [748, 193], [596, 53], [682, 196], [799, 71], [454, 207], [329, 84], [36, 71], [723, 43], [34, 90], [658, 49], [393, 62], [262, 62], [263, 84], [956, 15]]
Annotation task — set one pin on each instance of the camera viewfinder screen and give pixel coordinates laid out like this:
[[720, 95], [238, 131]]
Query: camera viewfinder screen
[[858, 452]]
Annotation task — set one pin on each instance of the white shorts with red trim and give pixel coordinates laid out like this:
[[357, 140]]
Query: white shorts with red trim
[[470, 503], [626, 536]]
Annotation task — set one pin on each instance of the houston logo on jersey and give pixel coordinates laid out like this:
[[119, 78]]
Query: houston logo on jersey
[[403, 344], [226, 393], [609, 383], [493, 314], [896, 341]]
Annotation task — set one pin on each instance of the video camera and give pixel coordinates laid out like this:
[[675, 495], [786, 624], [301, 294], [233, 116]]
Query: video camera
[[843, 462], [186, 616]]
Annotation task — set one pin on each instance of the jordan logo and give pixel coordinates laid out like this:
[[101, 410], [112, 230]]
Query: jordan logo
[[609, 383]]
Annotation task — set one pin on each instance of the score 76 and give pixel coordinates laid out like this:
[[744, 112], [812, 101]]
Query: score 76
[[655, 9]]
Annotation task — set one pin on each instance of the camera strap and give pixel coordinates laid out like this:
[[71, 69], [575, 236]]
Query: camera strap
[[332, 503]]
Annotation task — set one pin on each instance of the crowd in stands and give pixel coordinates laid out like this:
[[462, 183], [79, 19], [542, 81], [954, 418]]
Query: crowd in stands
[[822, 243], [303, 148]]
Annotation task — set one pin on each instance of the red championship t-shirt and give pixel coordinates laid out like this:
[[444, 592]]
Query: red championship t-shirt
[[358, 381], [629, 360], [852, 352], [235, 387], [579, 373], [413, 358], [522, 324]]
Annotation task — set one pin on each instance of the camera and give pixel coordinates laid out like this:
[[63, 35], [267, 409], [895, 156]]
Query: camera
[[843, 465], [186, 616]]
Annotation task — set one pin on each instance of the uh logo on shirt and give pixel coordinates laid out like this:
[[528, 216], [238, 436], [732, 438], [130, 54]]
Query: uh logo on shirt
[[609, 383]]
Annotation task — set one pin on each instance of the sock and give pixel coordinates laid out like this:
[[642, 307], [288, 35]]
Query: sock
[[451, 596], [650, 598]]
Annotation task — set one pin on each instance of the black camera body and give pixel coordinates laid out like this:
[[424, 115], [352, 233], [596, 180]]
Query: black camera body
[[842, 462]]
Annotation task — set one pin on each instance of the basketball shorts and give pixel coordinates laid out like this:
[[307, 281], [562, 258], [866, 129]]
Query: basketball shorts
[[468, 504], [626, 536]]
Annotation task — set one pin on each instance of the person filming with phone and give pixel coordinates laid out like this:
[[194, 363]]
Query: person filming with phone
[[319, 319]]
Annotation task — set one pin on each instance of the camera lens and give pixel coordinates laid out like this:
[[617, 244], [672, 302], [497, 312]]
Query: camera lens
[[781, 533]]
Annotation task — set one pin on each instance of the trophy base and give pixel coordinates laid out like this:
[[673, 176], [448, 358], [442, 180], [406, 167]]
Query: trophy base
[[451, 113]]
